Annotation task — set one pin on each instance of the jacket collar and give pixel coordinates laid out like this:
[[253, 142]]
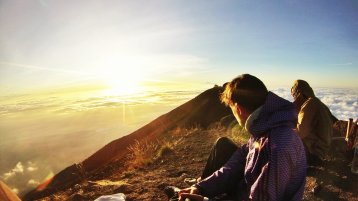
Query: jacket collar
[[253, 116]]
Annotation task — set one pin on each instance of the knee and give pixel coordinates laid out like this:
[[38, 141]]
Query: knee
[[222, 142]]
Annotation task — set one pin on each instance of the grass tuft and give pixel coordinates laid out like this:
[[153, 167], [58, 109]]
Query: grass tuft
[[165, 149], [141, 153]]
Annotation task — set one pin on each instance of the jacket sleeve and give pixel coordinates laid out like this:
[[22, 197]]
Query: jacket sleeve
[[274, 179], [306, 118], [226, 177]]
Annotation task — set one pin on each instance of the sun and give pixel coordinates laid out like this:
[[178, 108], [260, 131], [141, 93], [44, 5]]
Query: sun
[[123, 86], [123, 75], [123, 83]]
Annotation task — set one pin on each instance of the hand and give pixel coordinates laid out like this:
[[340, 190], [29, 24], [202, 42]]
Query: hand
[[190, 190], [191, 193], [192, 197]]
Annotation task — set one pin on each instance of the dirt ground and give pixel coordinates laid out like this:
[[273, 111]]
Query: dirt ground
[[186, 158]]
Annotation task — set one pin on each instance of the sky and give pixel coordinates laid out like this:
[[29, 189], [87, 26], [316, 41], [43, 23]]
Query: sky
[[184, 44]]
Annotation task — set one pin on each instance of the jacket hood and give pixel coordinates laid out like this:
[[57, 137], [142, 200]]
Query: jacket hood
[[275, 112], [302, 87]]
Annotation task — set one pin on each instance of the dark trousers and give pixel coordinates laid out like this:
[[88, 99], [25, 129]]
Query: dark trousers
[[222, 151], [219, 155]]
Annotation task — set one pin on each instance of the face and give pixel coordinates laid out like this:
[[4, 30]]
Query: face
[[298, 101], [239, 114]]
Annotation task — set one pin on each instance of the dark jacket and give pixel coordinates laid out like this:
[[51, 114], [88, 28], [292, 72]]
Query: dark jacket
[[272, 163]]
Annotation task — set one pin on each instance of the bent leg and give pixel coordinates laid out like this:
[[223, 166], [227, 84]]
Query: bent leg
[[219, 155]]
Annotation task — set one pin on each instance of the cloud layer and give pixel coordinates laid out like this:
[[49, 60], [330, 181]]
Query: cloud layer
[[22, 177], [343, 103]]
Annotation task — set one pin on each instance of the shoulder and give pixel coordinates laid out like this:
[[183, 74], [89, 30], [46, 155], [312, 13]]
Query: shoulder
[[312, 106], [285, 139], [311, 103]]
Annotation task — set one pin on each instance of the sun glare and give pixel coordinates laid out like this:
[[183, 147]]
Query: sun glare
[[123, 87], [123, 83]]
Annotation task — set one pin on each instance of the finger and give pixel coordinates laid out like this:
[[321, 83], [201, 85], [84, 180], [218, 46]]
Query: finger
[[194, 191], [183, 196], [186, 190], [192, 197]]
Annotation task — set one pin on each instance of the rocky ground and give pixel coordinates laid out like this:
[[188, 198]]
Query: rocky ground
[[183, 155]]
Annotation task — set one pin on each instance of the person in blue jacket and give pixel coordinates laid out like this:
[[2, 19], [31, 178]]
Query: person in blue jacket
[[271, 165]]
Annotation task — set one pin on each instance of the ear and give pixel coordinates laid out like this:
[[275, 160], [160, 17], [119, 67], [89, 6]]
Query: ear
[[242, 111], [239, 109]]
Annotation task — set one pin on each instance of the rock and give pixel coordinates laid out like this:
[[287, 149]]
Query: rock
[[317, 188], [125, 188], [76, 187], [162, 186], [184, 175], [90, 187], [78, 197]]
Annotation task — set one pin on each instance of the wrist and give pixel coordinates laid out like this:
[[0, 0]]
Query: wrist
[[198, 188]]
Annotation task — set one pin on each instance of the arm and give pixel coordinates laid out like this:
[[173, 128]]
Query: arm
[[306, 118], [227, 176]]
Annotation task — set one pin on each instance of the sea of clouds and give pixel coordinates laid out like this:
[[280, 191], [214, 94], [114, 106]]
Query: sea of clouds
[[81, 103], [27, 173], [342, 102]]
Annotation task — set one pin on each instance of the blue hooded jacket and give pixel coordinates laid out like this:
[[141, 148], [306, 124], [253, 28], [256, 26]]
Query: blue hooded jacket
[[272, 165]]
